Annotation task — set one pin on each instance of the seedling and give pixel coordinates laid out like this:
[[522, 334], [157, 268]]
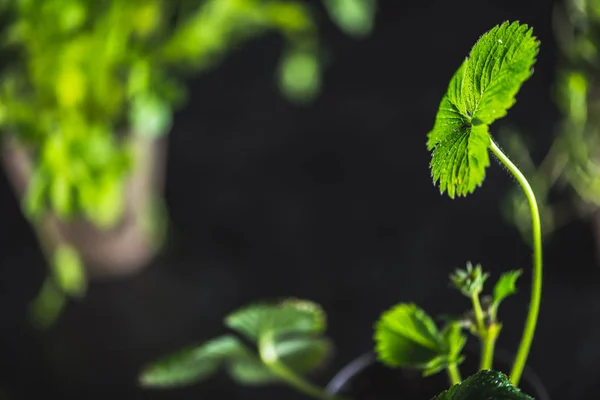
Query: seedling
[[480, 92], [288, 337]]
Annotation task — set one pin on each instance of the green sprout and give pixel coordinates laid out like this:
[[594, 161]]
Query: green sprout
[[480, 92]]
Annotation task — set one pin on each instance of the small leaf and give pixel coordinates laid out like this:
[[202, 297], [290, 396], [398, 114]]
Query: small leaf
[[354, 17], [289, 316], [302, 355], [505, 286], [407, 336], [481, 91], [484, 385], [193, 364], [69, 271]]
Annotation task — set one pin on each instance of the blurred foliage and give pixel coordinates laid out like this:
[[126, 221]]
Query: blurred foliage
[[84, 78], [572, 165], [84, 72]]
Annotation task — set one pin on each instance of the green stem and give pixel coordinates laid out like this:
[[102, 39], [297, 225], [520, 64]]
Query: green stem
[[269, 356], [486, 338], [478, 314], [536, 285], [454, 374], [487, 350]]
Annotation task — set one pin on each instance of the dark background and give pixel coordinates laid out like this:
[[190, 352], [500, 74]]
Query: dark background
[[332, 202]]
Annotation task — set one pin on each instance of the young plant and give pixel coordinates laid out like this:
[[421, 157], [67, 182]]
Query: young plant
[[287, 343], [288, 337], [480, 92]]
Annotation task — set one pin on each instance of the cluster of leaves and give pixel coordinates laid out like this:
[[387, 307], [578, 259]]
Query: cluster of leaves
[[86, 76], [286, 337], [406, 336]]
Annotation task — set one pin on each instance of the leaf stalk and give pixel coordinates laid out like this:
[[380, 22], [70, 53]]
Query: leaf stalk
[[536, 285]]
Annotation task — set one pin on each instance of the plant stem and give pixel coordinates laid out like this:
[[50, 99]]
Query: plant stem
[[486, 338], [478, 314], [454, 374], [269, 356], [487, 347], [536, 285]]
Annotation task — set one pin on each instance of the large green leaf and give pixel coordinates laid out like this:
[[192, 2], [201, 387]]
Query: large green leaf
[[484, 385], [193, 364], [288, 316], [406, 336], [481, 91]]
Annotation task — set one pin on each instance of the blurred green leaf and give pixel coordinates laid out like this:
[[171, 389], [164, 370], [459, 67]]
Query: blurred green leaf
[[193, 364], [60, 196], [354, 17], [300, 76], [47, 306], [149, 116], [285, 317], [69, 271]]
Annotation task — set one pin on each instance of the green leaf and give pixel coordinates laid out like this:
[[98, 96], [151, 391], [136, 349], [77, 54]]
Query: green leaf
[[302, 355], [288, 316], [480, 92], [484, 385], [354, 17], [69, 271], [193, 364], [406, 336], [505, 286]]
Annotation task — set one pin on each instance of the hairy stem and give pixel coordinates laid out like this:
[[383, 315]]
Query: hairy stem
[[478, 314], [268, 354], [454, 374], [486, 338], [487, 347], [536, 285]]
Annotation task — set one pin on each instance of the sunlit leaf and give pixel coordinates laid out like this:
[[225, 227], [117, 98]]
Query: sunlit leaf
[[481, 91], [406, 336]]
